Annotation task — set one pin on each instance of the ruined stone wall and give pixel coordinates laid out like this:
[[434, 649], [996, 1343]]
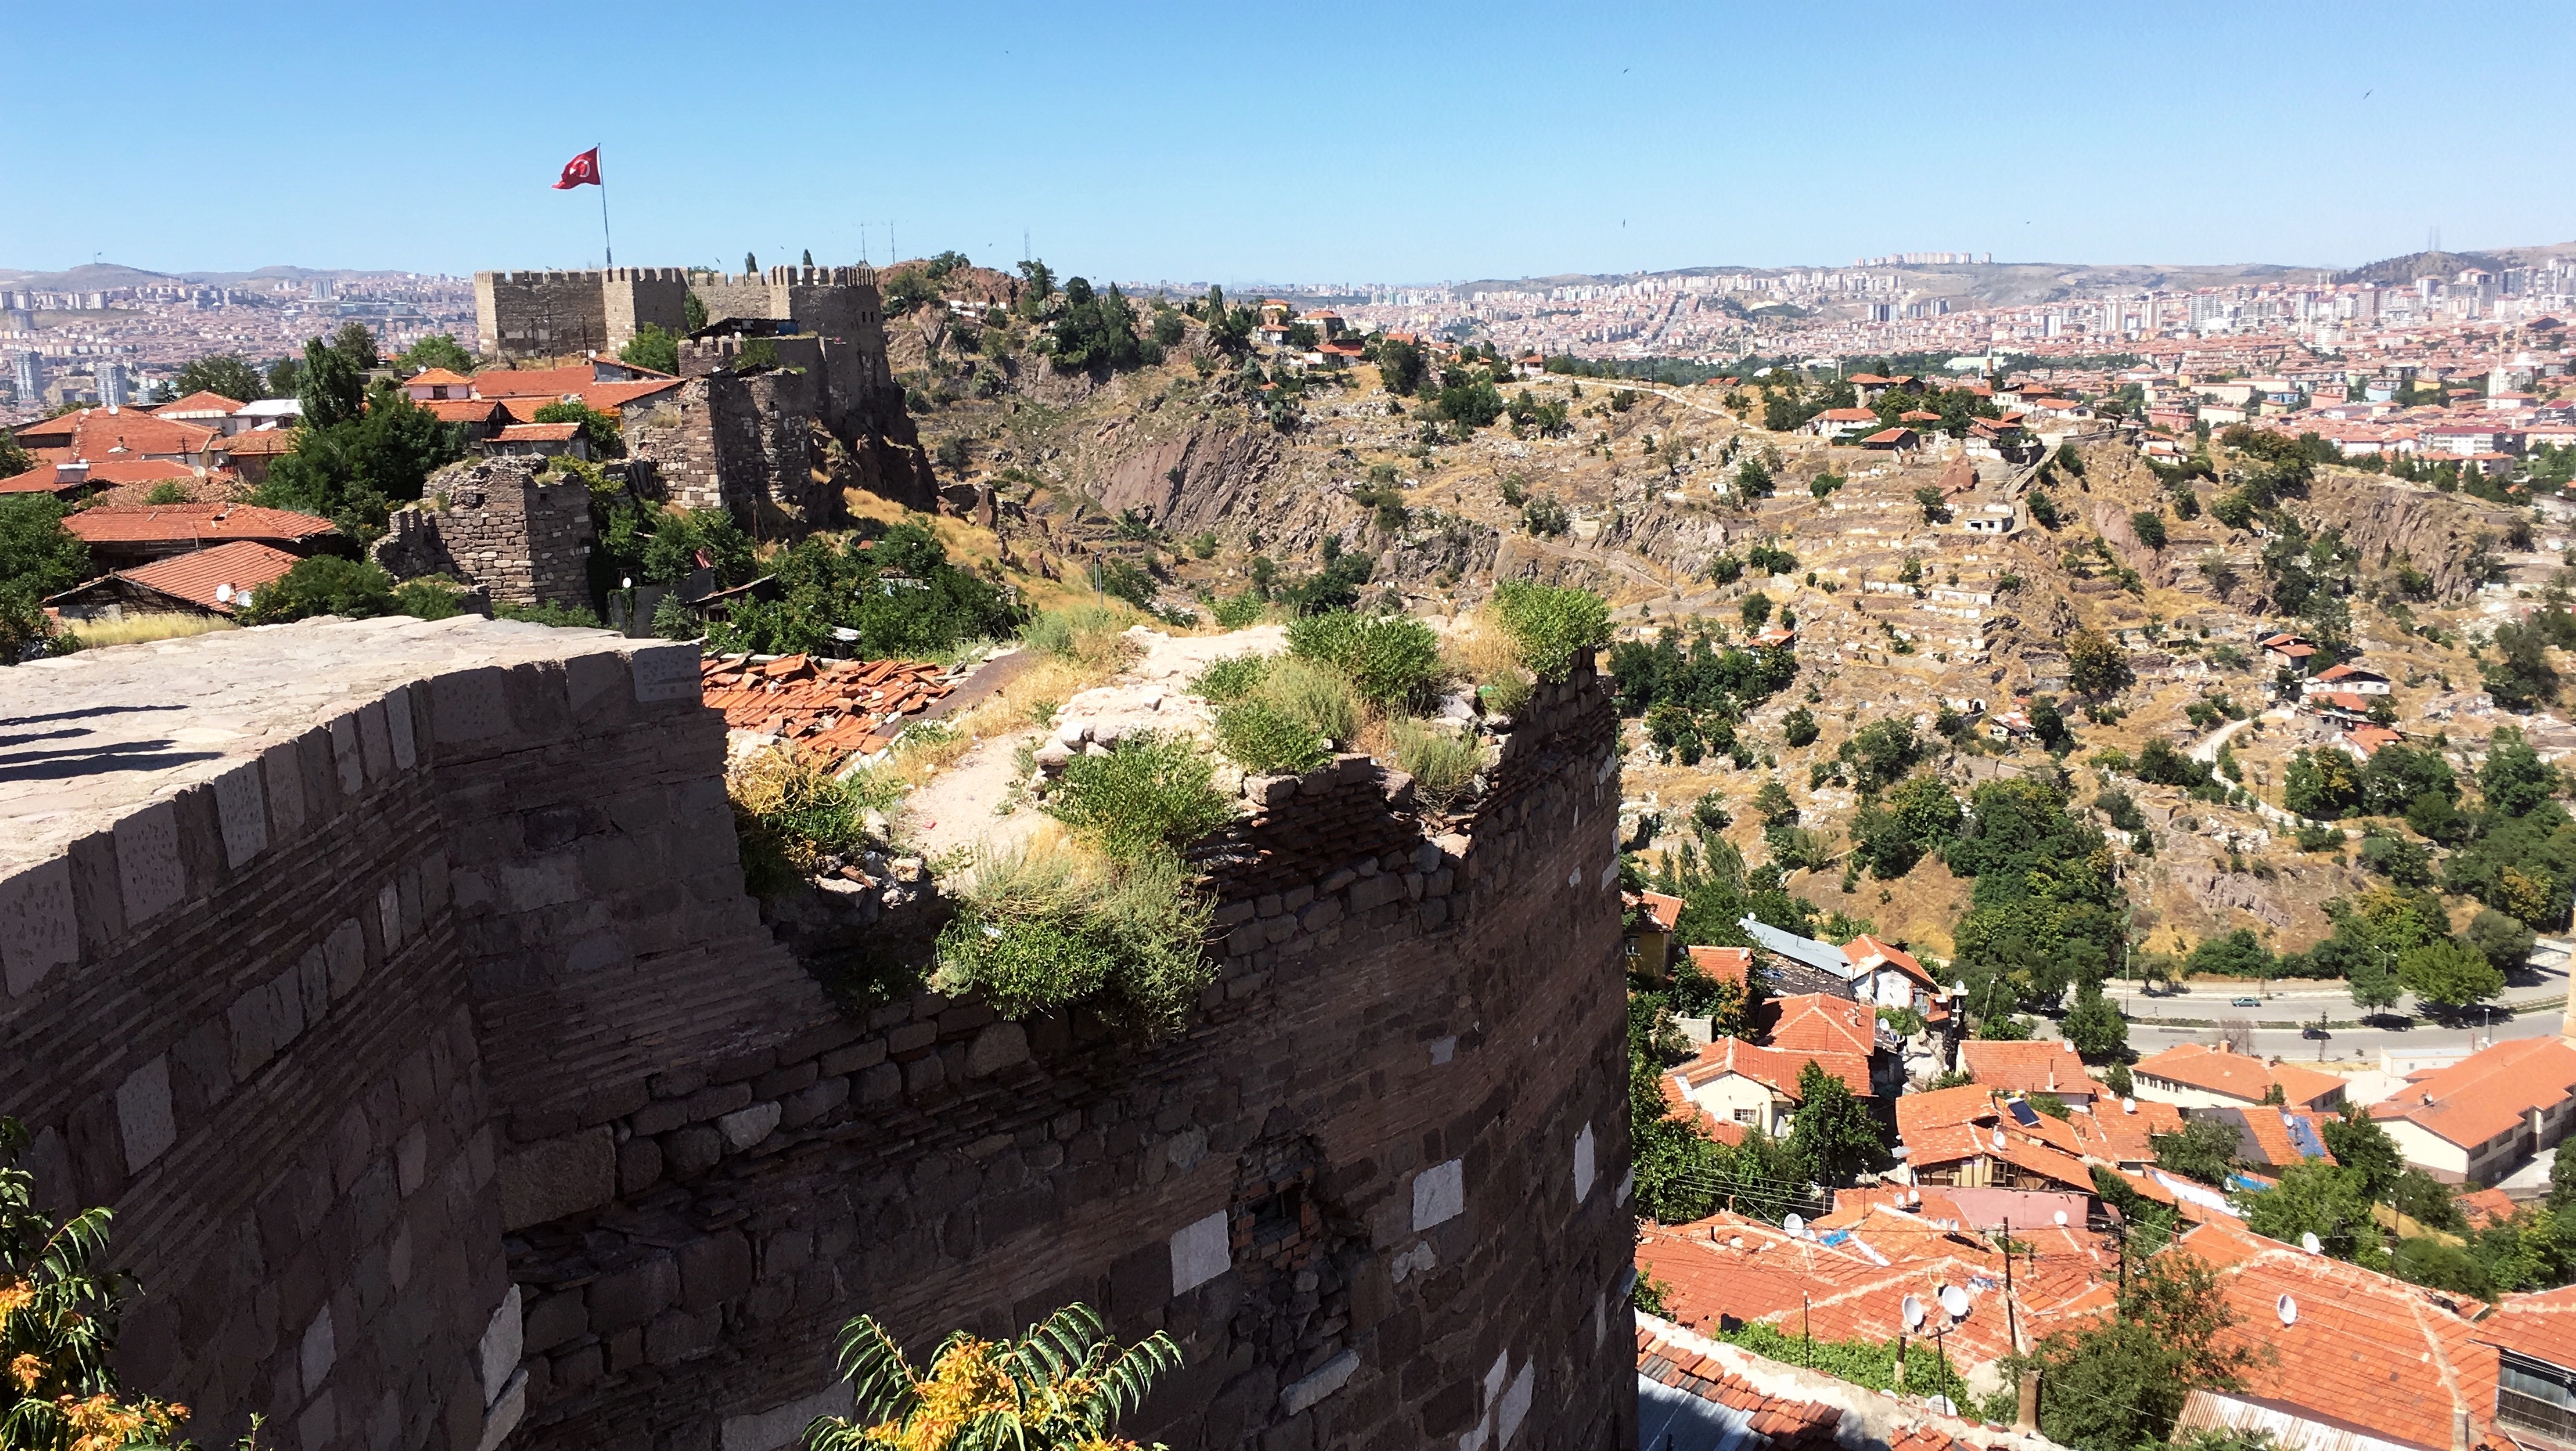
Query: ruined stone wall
[[493, 522], [736, 442], [450, 1016]]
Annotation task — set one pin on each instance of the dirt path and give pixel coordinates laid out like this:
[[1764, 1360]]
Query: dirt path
[[962, 805]]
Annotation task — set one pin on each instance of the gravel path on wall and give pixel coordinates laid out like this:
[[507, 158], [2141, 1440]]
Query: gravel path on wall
[[956, 807]]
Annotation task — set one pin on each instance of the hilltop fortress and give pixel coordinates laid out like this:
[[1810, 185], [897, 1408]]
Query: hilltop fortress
[[395, 982], [740, 437]]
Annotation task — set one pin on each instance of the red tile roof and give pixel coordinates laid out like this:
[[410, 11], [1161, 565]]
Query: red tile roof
[[612, 397], [2364, 1349], [2540, 1325], [1725, 964], [201, 523], [539, 432], [1774, 1068], [2240, 1075], [2486, 1093], [199, 402], [549, 383], [101, 433], [828, 708], [258, 443], [2047, 1066], [200, 575], [49, 477], [1666, 911], [460, 410], [1821, 1023], [436, 377]]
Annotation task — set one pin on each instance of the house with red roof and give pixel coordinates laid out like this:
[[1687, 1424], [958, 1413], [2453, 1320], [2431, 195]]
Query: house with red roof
[[1835, 423], [2347, 679], [219, 581], [1698, 1394], [207, 410], [1754, 1087], [70, 477], [2288, 652], [2484, 1116], [2199, 1075], [1887, 976], [1652, 917], [2534, 1337], [101, 434], [125, 536]]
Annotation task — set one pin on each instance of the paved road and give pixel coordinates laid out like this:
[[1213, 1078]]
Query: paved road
[[2349, 1044]]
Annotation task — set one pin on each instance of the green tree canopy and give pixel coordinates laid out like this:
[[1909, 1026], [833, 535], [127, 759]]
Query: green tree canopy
[[439, 350], [1833, 1129], [226, 375]]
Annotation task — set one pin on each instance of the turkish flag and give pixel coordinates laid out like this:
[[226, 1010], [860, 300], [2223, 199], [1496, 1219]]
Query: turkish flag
[[582, 170]]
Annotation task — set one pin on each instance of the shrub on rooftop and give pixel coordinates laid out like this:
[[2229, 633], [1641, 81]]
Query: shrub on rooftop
[[1389, 659]]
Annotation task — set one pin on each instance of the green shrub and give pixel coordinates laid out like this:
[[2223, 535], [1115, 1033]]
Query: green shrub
[[1507, 694], [1244, 609], [562, 617], [1153, 794], [1318, 695], [1266, 740], [1226, 681], [1389, 658], [1440, 762], [430, 597], [673, 620], [323, 585], [1038, 930], [1550, 623]]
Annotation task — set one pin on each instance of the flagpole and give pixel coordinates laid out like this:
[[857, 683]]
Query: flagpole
[[608, 248]]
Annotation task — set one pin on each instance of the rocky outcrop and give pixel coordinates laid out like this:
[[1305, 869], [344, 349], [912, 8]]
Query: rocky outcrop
[[1210, 476], [2392, 524]]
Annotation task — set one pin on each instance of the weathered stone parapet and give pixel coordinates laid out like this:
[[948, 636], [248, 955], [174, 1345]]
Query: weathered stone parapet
[[496, 523], [398, 988]]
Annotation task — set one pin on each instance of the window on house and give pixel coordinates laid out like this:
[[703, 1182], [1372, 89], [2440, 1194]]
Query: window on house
[[1748, 1115]]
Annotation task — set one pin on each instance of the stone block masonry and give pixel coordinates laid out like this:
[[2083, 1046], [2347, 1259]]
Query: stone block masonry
[[496, 523], [398, 988]]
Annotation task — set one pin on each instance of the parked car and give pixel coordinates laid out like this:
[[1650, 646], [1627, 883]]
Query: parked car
[[2246, 1003]]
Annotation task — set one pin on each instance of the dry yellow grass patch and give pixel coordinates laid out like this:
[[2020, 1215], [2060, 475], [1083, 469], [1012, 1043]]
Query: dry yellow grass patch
[[137, 629]]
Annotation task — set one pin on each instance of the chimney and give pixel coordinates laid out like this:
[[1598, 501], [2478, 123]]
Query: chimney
[[2026, 1415]]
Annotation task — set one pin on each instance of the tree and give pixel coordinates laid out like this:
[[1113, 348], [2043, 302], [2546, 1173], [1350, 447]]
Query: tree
[[1754, 609], [2361, 1145], [653, 348], [1833, 1129], [2521, 676], [2514, 779], [2201, 1149], [2372, 981], [354, 342], [2326, 1200], [2149, 526], [2448, 975], [1059, 1387], [59, 1326], [1798, 727], [333, 388], [286, 378], [601, 429], [226, 375], [2095, 665], [2120, 1383], [2094, 1025], [38, 557], [2504, 942], [442, 350], [1936, 510]]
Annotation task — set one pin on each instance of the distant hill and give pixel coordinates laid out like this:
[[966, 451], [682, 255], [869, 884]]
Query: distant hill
[[2398, 271], [101, 276]]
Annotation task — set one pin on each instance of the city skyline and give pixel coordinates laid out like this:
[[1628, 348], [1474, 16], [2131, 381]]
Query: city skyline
[[1433, 144]]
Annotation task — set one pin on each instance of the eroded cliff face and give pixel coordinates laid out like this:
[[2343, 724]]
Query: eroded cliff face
[[2393, 524]]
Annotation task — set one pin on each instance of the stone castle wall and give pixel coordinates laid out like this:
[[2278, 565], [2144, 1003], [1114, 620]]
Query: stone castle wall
[[493, 522], [448, 1016], [741, 443]]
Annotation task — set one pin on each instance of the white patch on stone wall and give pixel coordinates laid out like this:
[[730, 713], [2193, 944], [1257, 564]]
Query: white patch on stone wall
[[503, 1343], [1574, 878], [1443, 1050], [1201, 1251], [242, 813], [318, 1351], [148, 873], [1627, 1184], [398, 721], [503, 1417], [746, 1127], [389, 915], [1516, 1403], [1439, 1194], [143, 1114], [1412, 1262], [1584, 1172], [668, 672], [348, 755], [1331, 1376], [1610, 872], [37, 930]]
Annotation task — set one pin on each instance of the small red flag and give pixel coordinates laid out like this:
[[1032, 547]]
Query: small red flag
[[582, 170]]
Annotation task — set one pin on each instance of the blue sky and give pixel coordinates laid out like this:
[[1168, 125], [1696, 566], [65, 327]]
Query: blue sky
[[1307, 142]]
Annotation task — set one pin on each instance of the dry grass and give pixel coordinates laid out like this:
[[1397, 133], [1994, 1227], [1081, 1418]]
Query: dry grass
[[1480, 650], [1049, 681], [136, 629]]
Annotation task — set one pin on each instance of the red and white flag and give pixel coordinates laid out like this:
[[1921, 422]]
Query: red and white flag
[[582, 170]]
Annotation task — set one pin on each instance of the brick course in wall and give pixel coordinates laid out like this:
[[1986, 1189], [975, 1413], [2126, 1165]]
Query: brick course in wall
[[466, 1035]]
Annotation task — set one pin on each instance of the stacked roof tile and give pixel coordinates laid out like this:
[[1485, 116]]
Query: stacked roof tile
[[827, 709]]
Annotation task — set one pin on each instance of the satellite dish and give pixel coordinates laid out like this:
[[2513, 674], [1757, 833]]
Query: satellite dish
[[2128, 1105], [1912, 1310], [2287, 1309], [1999, 1138], [1736, 1243], [1954, 1302], [1944, 1405], [1914, 1196], [2061, 1219], [2311, 1243], [1795, 1224]]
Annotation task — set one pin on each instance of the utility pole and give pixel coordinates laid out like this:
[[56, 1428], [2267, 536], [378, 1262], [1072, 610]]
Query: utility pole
[[1806, 1331]]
